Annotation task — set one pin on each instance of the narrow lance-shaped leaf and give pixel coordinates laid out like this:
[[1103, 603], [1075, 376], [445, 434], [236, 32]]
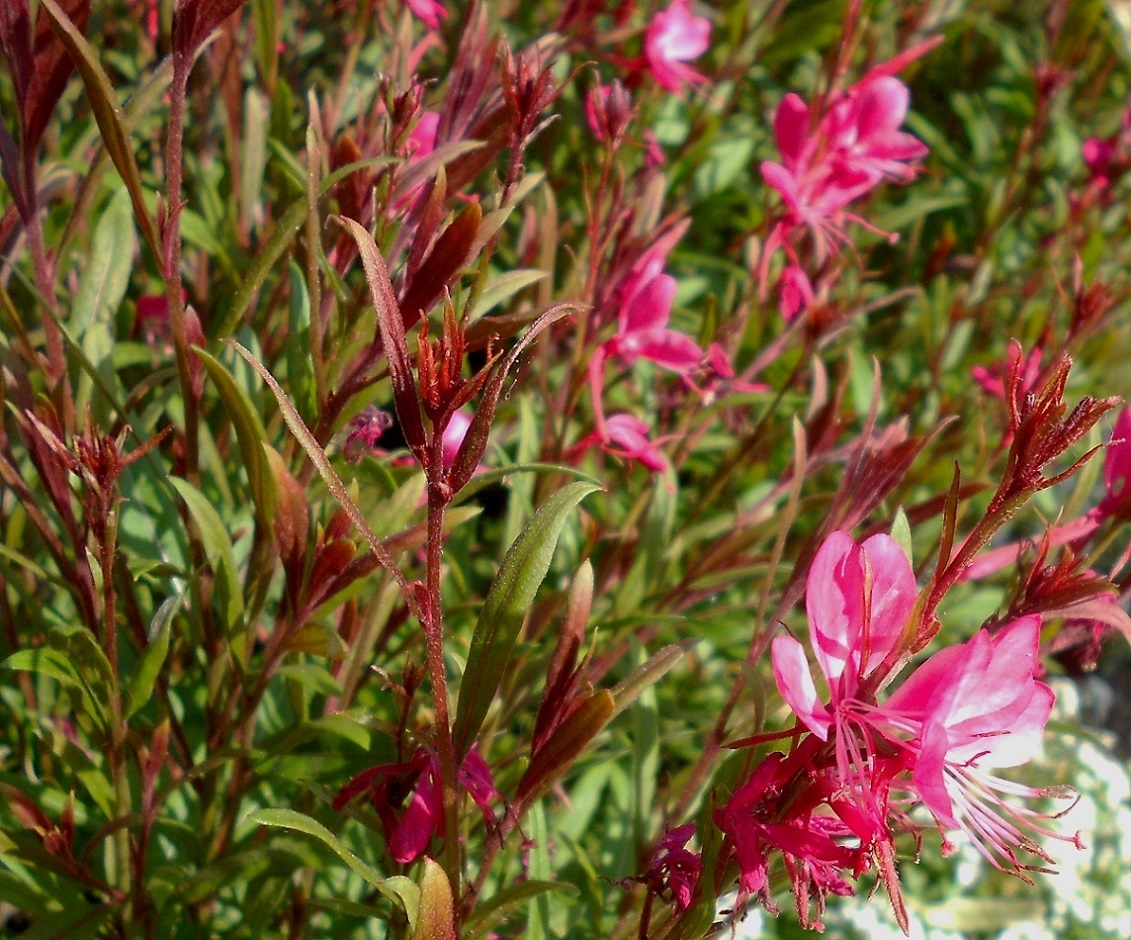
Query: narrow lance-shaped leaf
[[107, 110], [250, 436], [510, 597], [398, 889], [649, 673], [141, 683], [451, 251], [565, 745], [391, 325]]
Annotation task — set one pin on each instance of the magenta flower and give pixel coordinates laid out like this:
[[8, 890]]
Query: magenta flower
[[642, 326], [1117, 466], [795, 293], [978, 706], [420, 144], [675, 37], [429, 12], [769, 812], [409, 827], [673, 870], [993, 378]]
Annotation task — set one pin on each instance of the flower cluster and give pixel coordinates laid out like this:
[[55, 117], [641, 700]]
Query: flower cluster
[[832, 158], [834, 804]]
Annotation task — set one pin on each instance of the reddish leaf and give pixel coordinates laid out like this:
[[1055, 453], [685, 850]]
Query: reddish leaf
[[194, 20]]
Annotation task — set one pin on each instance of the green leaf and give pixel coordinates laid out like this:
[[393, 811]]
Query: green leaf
[[107, 110], [497, 909], [901, 531], [141, 683], [312, 676], [504, 287], [106, 266], [250, 436], [538, 918], [217, 546], [74, 658], [649, 673], [254, 147], [507, 603], [435, 919], [398, 889]]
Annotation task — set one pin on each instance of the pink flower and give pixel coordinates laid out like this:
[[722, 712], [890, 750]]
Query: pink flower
[[795, 293], [993, 377], [834, 158], [429, 12], [454, 434], [674, 37], [858, 598], [1117, 466], [642, 325], [978, 706], [624, 436], [646, 297], [628, 438], [409, 828]]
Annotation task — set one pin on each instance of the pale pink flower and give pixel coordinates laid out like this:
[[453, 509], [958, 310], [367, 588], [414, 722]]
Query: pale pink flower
[[429, 12], [978, 706], [675, 37], [859, 599], [454, 434]]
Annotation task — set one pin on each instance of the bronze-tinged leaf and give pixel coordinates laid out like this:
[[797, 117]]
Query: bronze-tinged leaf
[[450, 253], [108, 114], [566, 744], [15, 44], [435, 917], [292, 514], [53, 66], [194, 20], [391, 324]]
